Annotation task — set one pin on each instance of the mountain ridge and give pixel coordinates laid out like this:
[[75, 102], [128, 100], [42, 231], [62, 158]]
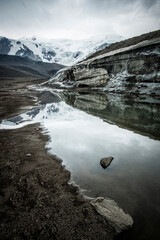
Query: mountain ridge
[[126, 43], [16, 66], [62, 51], [131, 67]]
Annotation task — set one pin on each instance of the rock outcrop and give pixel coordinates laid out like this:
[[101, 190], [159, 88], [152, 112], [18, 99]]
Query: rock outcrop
[[81, 76], [130, 70], [89, 77], [26, 52]]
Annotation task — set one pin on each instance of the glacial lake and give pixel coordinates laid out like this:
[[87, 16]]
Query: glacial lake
[[88, 127]]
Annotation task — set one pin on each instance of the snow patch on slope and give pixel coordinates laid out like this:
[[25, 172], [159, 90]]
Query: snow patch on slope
[[62, 51]]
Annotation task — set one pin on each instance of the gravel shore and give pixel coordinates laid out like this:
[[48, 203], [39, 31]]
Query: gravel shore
[[35, 200]]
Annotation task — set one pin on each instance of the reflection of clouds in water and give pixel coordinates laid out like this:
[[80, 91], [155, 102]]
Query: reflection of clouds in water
[[81, 140]]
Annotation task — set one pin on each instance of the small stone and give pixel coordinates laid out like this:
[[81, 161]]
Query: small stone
[[105, 162], [28, 155], [99, 199]]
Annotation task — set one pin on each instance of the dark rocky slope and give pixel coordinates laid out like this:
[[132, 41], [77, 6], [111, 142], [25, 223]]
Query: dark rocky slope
[[127, 43], [15, 66]]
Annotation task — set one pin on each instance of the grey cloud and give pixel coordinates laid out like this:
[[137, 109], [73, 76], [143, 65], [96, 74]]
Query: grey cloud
[[149, 3], [121, 6], [53, 17]]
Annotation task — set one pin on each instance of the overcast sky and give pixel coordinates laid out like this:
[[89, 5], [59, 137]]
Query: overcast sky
[[78, 19]]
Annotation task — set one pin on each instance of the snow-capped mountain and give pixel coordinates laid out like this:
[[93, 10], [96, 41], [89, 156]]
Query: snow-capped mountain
[[62, 51]]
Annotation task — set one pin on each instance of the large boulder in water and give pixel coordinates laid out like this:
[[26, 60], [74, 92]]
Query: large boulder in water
[[115, 215]]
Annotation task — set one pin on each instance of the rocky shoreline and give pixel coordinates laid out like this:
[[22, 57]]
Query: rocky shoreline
[[36, 200]]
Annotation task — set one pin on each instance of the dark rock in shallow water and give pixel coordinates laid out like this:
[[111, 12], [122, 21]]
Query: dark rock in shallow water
[[109, 209], [105, 162]]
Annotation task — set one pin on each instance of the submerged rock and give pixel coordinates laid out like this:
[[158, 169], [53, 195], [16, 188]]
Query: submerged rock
[[109, 209], [105, 162]]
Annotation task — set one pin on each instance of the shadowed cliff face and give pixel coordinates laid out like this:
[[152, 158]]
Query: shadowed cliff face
[[135, 114], [133, 70], [80, 76]]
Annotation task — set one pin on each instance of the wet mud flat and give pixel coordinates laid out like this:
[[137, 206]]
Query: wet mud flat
[[35, 200]]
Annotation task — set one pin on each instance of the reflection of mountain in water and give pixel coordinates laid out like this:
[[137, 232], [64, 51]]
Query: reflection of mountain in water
[[138, 115]]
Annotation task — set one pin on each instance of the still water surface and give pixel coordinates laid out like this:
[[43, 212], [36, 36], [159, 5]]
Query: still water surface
[[81, 140], [132, 179]]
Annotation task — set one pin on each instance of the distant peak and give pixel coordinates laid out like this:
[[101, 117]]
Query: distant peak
[[34, 38]]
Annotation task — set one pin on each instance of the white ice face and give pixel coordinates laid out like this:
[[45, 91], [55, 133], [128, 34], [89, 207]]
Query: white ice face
[[62, 51]]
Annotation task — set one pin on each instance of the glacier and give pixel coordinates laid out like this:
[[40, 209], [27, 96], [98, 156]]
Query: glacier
[[63, 51]]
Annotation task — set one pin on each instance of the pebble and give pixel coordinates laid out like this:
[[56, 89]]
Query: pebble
[[28, 155]]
